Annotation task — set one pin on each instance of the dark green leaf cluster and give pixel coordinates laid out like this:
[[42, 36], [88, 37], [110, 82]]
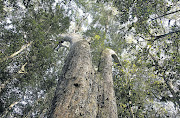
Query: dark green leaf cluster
[[27, 58]]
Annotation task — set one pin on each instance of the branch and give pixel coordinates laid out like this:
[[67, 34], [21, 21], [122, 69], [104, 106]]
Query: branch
[[168, 82], [165, 15], [79, 24], [108, 54], [116, 60], [114, 56], [5, 113], [22, 48], [161, 36], [13, 104], [72, 38], [69, 37], [16, 53], [22, 70], [48, 30]]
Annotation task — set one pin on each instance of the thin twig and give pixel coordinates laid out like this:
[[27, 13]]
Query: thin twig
[[161, 36], [165, 14]]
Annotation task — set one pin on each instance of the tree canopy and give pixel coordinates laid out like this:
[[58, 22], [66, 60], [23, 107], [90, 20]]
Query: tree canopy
[[145, 34]]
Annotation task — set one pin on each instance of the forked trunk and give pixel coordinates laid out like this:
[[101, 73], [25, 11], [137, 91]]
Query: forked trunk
[[80, 93]]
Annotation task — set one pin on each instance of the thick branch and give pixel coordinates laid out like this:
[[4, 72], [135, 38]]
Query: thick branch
[[72, 38]]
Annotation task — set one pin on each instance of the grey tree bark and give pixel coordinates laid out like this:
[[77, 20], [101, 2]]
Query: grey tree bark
[[106, 96], [80, 92]]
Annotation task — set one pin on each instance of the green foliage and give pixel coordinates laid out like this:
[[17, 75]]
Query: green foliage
[[148, 62], [1, 6], [39, 26]]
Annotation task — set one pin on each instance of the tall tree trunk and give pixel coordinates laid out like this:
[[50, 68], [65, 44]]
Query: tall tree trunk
[[107, 107], [81, 94]]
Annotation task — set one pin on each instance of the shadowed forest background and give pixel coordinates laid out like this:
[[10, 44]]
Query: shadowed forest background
[[145, 34]]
